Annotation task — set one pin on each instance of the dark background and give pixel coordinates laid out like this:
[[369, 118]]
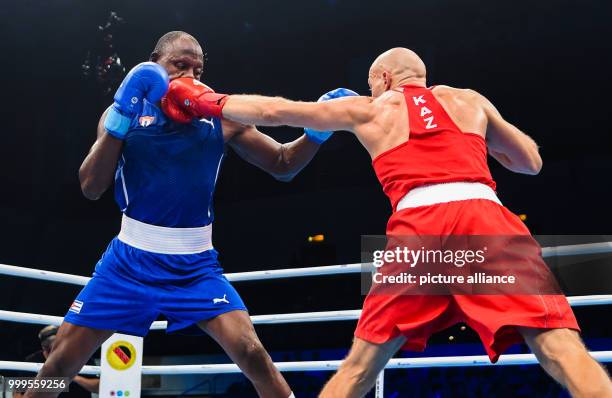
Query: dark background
[[544, 64]]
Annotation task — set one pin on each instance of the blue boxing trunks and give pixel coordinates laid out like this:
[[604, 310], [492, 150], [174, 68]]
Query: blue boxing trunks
[[149, 270]]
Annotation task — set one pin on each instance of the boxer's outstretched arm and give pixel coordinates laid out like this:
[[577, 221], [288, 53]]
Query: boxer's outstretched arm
[[98, 169], [339, 114], [282, 161], [511, 147]]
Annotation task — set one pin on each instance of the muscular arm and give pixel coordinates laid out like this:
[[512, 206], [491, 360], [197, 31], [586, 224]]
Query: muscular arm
[[98, 169], [338, 114], [507, 144], [282, 161]]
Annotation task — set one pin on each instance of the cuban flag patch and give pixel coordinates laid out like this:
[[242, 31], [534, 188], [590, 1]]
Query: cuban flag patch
[[146, 121], [76, 306]]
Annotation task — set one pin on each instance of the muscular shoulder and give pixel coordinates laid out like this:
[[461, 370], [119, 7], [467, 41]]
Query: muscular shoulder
[[464, 106], [388, 98], [460, 96], [385, 106], [465, 93]]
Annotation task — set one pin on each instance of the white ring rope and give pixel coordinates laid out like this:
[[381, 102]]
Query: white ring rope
[[34, 273], [304, 317], [303, 366], [569, 250], [325, 316], [577, 250], [299, 317], [50, 276]]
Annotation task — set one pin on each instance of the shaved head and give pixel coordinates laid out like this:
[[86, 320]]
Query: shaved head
[[396, 67], [165, 43], [400, 61]]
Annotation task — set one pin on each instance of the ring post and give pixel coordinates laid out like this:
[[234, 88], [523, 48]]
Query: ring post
[[380, 385]]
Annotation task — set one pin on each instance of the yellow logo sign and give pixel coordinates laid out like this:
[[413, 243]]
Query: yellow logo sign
[[121, 355]]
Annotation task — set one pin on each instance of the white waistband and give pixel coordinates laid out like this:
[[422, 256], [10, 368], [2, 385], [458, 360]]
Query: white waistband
[[165, 240], [443, 193]]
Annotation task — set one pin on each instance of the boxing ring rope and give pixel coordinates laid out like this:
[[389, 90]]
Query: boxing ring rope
[[299, 317], [303, 317], [50, 276], [323, 316], [308, 366]]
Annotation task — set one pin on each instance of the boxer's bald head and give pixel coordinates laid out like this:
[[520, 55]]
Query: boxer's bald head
[[167, 41], [394, 68], [180, 54]]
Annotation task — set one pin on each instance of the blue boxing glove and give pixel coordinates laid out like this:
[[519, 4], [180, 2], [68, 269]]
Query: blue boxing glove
[[321, 136], [146, 80]]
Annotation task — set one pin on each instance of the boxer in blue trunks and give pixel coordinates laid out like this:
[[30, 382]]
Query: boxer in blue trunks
[[163, 261]]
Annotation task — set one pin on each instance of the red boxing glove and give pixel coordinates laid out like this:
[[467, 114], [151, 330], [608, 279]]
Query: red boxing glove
[[175, 112], [193, 98]]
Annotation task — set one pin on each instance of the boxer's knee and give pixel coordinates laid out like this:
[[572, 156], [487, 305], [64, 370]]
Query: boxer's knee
[[357, 372], [251, 354], [562, 348]]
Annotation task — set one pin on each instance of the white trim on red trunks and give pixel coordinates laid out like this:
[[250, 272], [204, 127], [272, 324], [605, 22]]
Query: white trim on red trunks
[[448, 192]]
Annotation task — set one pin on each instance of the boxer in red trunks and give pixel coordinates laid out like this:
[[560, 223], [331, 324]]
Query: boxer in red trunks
[[429, 150]]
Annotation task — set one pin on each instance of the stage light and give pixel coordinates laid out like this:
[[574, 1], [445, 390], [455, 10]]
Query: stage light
[[316, 238]]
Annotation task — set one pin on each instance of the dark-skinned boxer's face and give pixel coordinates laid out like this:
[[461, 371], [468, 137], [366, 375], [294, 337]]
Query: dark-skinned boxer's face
[[183, 58]]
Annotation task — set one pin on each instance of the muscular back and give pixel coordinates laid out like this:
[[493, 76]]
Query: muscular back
[[382, 123], [390, 126], [465, 108]]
